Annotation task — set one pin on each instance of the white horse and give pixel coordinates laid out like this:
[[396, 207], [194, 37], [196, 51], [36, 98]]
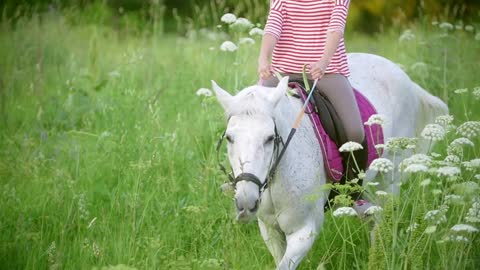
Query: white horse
[[289, 221]]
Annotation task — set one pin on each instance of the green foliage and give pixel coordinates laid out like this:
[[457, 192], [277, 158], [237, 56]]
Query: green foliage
[[107, 154]]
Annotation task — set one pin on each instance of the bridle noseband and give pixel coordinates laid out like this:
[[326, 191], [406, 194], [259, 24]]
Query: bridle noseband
[[249, 177]]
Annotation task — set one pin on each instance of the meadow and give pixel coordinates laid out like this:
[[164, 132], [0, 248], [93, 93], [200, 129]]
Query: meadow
[[107, 151]]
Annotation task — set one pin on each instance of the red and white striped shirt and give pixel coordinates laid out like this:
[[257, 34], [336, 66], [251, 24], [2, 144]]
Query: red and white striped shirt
[[301, 28]]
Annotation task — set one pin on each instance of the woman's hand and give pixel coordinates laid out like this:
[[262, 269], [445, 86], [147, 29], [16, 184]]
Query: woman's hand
[[317, 69], [264, 69]]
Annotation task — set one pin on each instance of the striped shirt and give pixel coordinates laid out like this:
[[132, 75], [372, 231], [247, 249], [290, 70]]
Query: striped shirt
[[301, 28]]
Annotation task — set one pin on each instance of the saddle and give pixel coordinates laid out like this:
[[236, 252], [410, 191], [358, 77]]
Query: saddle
[[330, 131]]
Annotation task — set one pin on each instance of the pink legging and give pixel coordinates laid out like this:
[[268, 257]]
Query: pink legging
[[339, 92]]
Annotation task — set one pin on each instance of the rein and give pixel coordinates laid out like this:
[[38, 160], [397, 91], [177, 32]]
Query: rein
[[277, 153], [249, 177]]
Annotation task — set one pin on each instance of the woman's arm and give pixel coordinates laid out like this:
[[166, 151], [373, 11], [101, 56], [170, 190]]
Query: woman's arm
[[266, 50], [317, 69], [273, 30], [335, 31]]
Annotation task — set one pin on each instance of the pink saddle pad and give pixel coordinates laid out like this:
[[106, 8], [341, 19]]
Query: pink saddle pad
[[331, 154]]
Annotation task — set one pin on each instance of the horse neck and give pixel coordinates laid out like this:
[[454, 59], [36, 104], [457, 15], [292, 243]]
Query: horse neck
[[285, 113]]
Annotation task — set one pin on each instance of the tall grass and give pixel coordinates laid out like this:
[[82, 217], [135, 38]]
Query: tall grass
[[107, 154]]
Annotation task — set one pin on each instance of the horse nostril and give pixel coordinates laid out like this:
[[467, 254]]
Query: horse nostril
[[255, 208], [239, 208]]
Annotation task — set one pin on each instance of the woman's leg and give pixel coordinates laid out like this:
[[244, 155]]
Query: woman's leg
[[339, 92]]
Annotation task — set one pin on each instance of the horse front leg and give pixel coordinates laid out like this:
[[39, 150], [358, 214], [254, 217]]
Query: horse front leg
[[298, 245], [275, 240]]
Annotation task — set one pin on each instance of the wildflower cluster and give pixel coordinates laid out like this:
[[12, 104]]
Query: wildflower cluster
[[433, 132], [469, 129], [444, 120], [417, 159], [473, 215], [400, 143], [350, 147], [472, 165], [435, 217], [375, 119], [381, 165], [344, 211]]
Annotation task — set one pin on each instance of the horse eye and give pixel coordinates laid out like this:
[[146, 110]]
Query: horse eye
[[270, 139], [229, 139]]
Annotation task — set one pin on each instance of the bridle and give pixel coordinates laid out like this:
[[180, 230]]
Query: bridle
[[249, 177]]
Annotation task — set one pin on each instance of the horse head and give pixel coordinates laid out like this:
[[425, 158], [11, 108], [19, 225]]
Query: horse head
[[250, 134]]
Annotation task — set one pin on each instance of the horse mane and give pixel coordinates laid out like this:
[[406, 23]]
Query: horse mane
[[251, 101]]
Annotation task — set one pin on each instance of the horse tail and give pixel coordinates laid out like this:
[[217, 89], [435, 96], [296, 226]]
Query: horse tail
[[430, 107]]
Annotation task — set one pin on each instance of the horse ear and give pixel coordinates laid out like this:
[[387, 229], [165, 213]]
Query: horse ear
[[279, 91], [223, 96]]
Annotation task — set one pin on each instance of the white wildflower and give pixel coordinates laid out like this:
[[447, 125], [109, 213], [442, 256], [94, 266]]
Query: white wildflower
[[228, 18], [373, 183], [407, 35], [455, 149], [350, 147], [430, 229], [476, 92], [456, 238], [246, 40], [375, 119], [381, 193], [425, 182], [464, 228], [381, 165], [400, 143], [435, 217], [437, 191], [473, 215], [344, 211], [204, 92], [459, 26], [477, 36], [452, 159], [469, 129], [453, 199], [472, 164], [469, 28], [433, 132], [228, 46], [448, 171], [435, 155], [421, 159], [477, 176], [463, 141], [444, 120], [446, 26], [461, 91], [256, 32], [241, 24], [380, 146], [373, 210], [416, 168], [412, 227]]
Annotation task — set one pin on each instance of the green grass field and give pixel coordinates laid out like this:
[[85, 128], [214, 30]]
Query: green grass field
[[107, 156]]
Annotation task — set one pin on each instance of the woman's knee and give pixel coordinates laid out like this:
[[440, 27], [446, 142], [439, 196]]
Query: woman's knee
[[356, 135]]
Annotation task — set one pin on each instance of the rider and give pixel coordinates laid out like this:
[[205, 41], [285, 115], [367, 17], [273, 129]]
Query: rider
[[311, 32]]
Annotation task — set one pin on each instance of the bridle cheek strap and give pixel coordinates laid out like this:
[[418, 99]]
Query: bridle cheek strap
[[248, 176]]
